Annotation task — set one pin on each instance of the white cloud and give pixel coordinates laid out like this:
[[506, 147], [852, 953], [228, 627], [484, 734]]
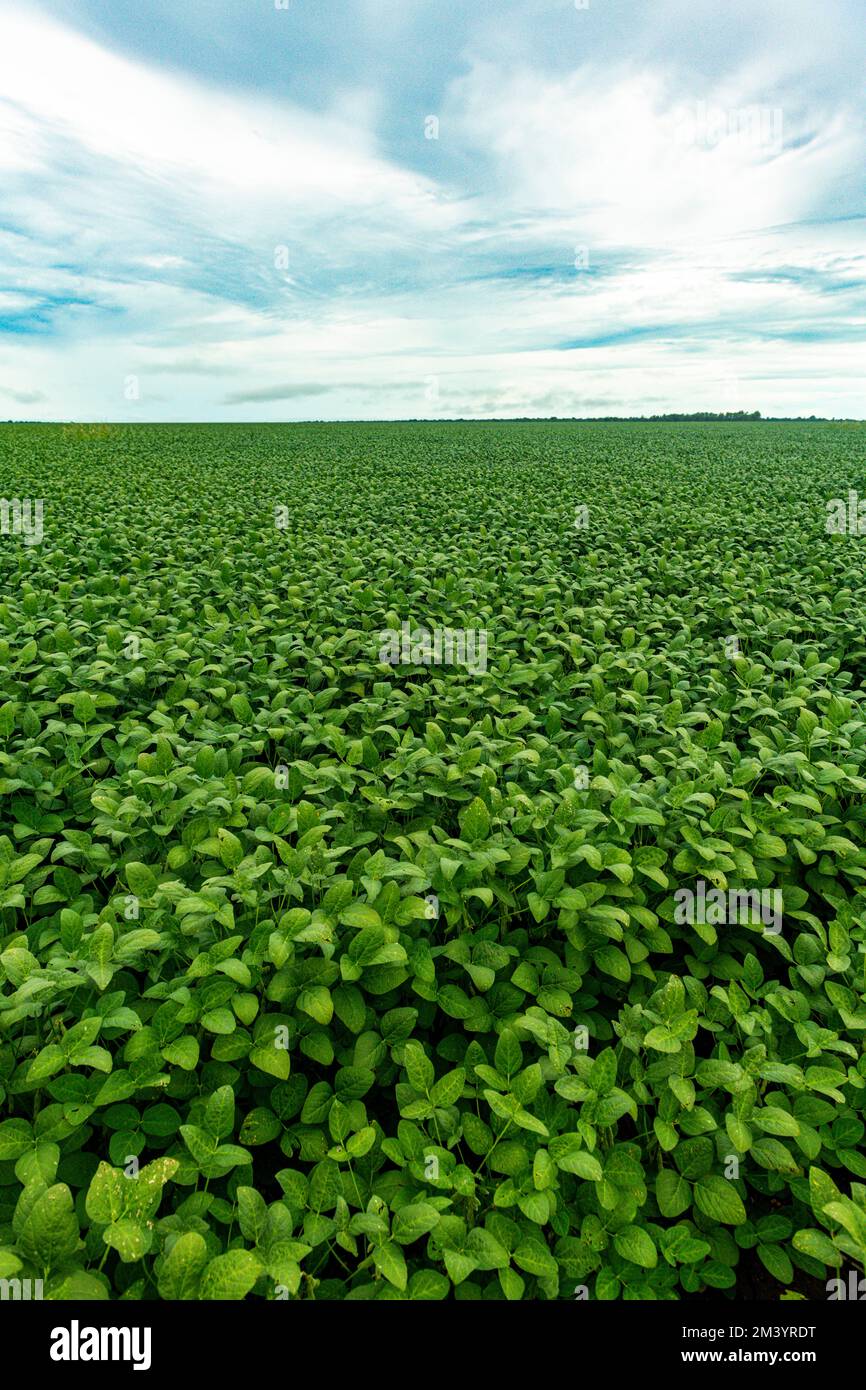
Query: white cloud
[[149, 206], [170, 129], [637, 161]]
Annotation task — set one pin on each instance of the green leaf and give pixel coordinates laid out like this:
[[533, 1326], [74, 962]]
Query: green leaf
[[116, 1087], [105, 1201], [850, 1217], [143, 1193], [361, 1143], [636, 1245], [252, 1213], [673, 1193], [129, 1238], [663, 1039], [142, 882], [474, 821], [769, 1153], [76, 1286], [182, 1267], [583, 1163], [219, 1115], [428, 1285], [221, 1021], [508, 1108], [613, 962], [719, 1200], [822, 1190], [509, 1053], [512, 1285], [776, 1262], [182, 1053], [230, 1277], [83, 708], [391, 1264], [160, 1120], [316, 1001], [38, 1164], [449, 1089], [533, 1257], [231, 851], [739, 1133], [49, 1232], [414, 1221], [816, 1245], [602, 1073], [15, 1138], [486, 1250], [459, 1266], [774, 1120], [419, 1068], [47, 1062], [101, 947], [241, 708], [827, 1081], [275, 1061], [360, 915]]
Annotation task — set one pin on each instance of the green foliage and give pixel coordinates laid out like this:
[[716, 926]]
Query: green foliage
[[241, 1055]]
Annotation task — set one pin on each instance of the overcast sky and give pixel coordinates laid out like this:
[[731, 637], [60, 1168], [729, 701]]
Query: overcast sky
[[218, 209]]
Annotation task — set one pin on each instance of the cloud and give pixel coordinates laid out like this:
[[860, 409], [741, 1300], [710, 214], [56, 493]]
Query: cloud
[[277, 393], [23, 397], [623, 157], [612, 216]]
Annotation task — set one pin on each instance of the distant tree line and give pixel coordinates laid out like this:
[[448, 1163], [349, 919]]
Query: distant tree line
[[701, 415], [695, 417]]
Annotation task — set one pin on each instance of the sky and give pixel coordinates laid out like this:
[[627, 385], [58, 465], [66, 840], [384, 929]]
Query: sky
[[238, 210]]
